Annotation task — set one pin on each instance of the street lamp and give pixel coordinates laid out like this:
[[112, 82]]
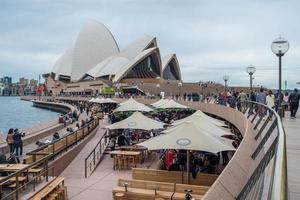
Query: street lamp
[[179, 87], [279, 47], [251, 70], [225, 78], [157, 86]]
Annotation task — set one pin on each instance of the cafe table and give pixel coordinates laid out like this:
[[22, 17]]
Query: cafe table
[[126, 154]]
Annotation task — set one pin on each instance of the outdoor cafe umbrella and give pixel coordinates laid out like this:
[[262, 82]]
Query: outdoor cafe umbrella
[[132, 105], [104, 100], [168, 103], [199, 115], [137, 121], [92, 100], [188, 136]]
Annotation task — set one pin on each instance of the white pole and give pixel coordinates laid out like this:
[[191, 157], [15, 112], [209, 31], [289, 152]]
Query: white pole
[[187, 166]]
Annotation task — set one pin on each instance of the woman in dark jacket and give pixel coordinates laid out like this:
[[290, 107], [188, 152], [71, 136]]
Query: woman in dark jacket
[[18, 143]]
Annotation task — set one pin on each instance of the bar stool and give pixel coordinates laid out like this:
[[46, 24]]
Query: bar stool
[[131, 161], [119, 196], [124, 160], [118, 164]]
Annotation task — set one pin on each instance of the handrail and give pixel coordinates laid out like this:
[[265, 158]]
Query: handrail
[[61, 138], [280, 181], [101, 146], [278, 189]]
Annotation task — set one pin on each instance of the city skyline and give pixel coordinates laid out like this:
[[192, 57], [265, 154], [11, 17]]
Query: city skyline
[[212, 37]]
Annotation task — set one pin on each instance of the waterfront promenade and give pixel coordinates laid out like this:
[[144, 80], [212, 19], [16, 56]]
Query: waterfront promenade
[[292, 130]]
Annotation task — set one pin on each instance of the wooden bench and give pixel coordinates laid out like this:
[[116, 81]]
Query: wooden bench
[[139, 189], [55, 189], [172, 176], [197, 191]]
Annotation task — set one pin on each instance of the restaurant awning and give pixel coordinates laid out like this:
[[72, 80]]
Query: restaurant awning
[[132, 105], [199, 116], [188, 136], [167, 104], [137, 121]]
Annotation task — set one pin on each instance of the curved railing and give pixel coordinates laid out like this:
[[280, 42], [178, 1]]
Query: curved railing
[[273, 147]]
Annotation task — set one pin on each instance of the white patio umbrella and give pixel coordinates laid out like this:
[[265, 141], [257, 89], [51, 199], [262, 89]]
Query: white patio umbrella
[[188, 136], [132, 105], [168, 103], [199, 116], [92, 100], [159, 102], [104, 100], [137, 121]]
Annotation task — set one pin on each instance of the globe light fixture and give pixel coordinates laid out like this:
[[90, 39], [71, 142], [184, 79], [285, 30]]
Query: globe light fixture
[[225, 78], [251, 70], [279, 47]]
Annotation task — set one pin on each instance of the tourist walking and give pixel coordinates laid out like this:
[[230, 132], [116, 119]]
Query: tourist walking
[[261, 98], [242, 98], [18, 143], [10, 140], [270, 100], [294, 102]]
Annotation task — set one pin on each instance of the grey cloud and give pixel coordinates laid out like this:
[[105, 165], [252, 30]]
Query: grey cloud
[[210, 38]]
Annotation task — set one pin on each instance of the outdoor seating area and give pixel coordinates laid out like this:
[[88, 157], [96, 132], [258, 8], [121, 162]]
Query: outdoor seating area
[[53, 190], [145, 189], [203, 179], [17, 179], [126, 159]]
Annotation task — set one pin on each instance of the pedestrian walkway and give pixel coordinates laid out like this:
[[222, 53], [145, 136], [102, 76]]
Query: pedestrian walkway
[[292, 130]]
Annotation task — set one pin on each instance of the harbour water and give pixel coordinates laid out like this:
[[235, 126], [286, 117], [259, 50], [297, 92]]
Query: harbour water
[[15, 113]]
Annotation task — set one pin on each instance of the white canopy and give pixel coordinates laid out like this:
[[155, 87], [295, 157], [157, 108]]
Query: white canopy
[[199, 116], [188, 136], [104, 100], [137, 121], [132, 105], [92, 99], [167, 103]]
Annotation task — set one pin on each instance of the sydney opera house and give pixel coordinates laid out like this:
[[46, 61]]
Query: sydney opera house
[[96, 57]]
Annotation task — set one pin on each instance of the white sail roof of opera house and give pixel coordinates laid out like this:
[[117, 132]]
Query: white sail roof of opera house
[[120, 65], [170, 67], [96, 54], [94, 44]]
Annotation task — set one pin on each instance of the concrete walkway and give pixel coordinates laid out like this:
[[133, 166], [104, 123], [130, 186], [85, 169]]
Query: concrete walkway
[[292, 130]]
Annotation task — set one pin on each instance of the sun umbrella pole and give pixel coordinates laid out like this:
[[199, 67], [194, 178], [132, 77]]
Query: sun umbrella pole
[[187, 166]]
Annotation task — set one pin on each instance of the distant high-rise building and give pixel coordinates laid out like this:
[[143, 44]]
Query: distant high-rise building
[[7, 80], [23, 81]]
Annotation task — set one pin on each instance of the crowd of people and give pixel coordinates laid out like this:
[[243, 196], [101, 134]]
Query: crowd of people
[[239, 100]]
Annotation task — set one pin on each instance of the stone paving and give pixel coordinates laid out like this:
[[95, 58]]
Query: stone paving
[[292, 130]]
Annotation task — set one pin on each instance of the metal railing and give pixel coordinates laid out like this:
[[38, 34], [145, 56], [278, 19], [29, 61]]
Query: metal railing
[[96, 155], [269, 178], [15, 193]]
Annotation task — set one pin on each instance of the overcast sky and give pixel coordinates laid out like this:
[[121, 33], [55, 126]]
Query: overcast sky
[[210, 38]]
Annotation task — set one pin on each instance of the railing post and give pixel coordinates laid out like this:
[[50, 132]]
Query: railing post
[[94, 157], [17, 187], [85, 169]]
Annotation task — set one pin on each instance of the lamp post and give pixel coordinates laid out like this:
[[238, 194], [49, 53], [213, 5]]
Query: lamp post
[[279, 47], [251, 70], [225, 78], [179, 88], [157, 87]]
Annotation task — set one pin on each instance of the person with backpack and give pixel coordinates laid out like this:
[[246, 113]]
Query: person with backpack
[[18, 143]]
